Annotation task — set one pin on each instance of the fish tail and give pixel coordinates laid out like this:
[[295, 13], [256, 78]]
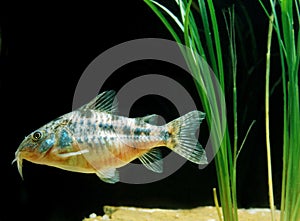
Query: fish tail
[[180, 137]]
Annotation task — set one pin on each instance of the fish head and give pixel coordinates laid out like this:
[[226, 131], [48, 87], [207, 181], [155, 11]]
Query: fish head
[[35, 147]]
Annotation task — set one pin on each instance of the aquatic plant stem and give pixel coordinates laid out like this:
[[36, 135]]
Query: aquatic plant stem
[[245, 138], [232, 49], [268, 145], [223, 159], [289, 48], [217, 204]]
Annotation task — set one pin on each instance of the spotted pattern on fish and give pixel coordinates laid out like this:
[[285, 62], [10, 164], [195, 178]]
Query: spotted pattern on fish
[[93, 139], [48, 143], [126, 129], [65, 139]]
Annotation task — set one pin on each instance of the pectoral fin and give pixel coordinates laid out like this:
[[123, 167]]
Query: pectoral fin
[[110, 175], [70, 154]]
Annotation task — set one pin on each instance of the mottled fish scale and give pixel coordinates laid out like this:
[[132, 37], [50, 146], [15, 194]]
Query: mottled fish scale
[[114, 135], [93, 139], [96, 132]]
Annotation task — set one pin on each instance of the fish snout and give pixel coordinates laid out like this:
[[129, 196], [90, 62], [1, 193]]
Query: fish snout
[[24, 152]]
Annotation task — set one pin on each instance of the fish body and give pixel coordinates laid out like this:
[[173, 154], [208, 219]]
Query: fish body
[[93, 139]]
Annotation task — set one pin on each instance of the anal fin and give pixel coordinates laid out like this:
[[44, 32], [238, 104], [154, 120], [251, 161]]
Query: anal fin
[[153, 160], [109, 175]]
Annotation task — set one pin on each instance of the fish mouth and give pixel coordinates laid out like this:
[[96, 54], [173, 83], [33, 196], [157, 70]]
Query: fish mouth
[[19, 160]]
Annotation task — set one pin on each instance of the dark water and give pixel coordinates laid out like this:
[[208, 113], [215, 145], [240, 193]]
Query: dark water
[[45, 50]]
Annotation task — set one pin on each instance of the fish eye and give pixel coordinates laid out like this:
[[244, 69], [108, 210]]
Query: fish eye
[[36, 135]]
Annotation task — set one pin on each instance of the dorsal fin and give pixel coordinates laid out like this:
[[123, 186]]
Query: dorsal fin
[[104, 102]]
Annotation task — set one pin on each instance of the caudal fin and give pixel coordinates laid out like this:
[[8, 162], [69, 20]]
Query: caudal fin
[[182, 138]]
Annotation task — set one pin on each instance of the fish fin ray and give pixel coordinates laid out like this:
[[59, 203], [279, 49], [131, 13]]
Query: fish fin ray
[[153, 160], [104, 102], [182, 137], [150, 119], [110, 175]]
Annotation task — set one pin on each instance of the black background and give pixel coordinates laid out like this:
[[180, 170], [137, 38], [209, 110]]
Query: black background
[[46, 48]]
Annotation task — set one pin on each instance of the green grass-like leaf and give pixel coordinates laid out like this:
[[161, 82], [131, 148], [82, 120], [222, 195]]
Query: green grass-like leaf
[[289, 47], [209, 49]]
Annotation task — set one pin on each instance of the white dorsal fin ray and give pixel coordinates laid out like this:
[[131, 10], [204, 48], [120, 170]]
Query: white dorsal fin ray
[[153, 160], [104, 102], [109, 175]]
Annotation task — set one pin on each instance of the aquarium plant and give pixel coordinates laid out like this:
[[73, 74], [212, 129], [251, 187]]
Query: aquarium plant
[[285, 20], [185, 29]]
